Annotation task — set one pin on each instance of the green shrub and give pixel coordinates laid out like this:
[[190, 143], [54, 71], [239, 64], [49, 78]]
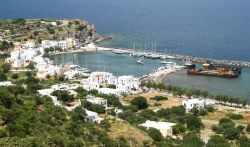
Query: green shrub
[[235, 116], [210, 108], [203, 112], [140, 102], [14, 76], [248, 128], [155, 134], [159, 98]]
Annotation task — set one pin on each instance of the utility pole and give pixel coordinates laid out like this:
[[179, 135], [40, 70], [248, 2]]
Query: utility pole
[[248, 99]]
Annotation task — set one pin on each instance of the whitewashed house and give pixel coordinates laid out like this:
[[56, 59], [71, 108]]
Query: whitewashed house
[[127, 84], [111, 91], [19, 63], [49, 43], [6, 83], [93, 116], [30, 44], [198, 103], [63, 44], [49, 69], [99, 77], [166, 128], [97, 100], [90, 85]]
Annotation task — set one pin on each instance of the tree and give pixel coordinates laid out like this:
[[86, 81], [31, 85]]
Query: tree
[[6, 98], [16, 90], [189, 93], [93, 92], [240, 128], [191, 139], [248, 128], [140, 102], [63, 95], [195, 111], [217, 141], [75, 143], [32, 80], [155, 134], [17, 130], [205, 94], [193, 122], [231, 133], [243, 141], [5, 67], [79, 114], [105, 124], [2, 76], [31, 66], [15, 76], [159, 98]]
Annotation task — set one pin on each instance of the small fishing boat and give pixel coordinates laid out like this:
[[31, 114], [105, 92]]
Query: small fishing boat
[[140, 61]]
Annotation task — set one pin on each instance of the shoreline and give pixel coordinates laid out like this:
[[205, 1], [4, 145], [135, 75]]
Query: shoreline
[[83, 49], [200, 60]]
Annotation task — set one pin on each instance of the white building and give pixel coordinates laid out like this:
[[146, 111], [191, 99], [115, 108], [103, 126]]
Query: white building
[[188, 104], [65, 86], [63, 44], [19, 63], [45, 70], [165, 128], [49, 43], [93, 116], [109, 91], [99, 77], [127, 84], [90, 85], [30, 44], [6, 83], [97, 100]]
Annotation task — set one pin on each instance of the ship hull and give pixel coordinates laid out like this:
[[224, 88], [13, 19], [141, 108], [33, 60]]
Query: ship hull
[[215, 73]]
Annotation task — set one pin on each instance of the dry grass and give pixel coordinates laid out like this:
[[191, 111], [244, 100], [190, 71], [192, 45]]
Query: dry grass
[[134, 136], [172, 101]]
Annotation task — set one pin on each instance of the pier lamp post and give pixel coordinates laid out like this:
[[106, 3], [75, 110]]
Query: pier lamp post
[[248, 99]]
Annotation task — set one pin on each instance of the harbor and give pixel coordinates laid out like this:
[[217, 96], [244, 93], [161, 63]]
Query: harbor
[[124, 64], [158, 55]]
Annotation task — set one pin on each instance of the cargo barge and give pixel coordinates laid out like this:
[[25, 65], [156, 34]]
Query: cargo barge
[[218, 71]]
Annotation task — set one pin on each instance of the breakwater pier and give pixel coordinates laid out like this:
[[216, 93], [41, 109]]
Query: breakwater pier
[[157, 55]]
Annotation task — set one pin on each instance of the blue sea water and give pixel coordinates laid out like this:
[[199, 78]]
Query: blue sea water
[[204, 28], [207, 28]]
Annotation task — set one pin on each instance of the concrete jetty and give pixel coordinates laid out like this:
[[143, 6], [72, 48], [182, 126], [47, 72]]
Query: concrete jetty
[[159, 75], [181, 57]]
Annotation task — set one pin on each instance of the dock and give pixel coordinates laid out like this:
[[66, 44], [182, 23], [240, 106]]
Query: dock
[[158, 55], [159, 75]]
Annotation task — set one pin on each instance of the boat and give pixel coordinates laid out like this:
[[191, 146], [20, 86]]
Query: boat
[[155, 56], [218, 72], [84, 70], [170, 64], [189, 65], [140, 61], [161, 68]]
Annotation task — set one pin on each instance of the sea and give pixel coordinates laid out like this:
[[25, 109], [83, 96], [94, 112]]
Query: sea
[[218, 29]]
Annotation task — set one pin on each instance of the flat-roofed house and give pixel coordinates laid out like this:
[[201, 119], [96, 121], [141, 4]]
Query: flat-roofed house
[[166, 128], [189, 104]]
